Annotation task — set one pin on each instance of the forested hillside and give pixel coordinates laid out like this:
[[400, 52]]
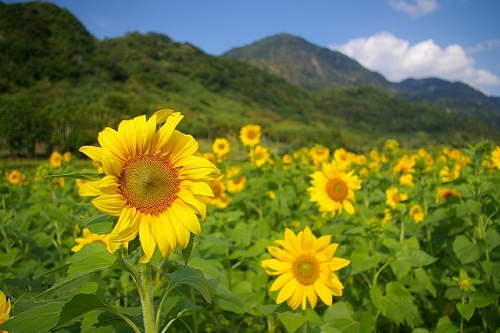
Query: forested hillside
[[61, 86]]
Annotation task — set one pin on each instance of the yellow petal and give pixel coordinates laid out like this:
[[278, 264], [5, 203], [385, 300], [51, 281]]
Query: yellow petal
[[276, 265], [162, 115], [338, 263], [280, 254], [180, 213], [286, 291], [349, 208], [182, 234], [165, 132], [95, 153], [312, 296], [148, 243], [307, 240], [146, 135], [193, 201], [200, 188], [321, 244], [110, 204], [110, 165], [323, 292], [112, 140], [281, 281], [180, 145], [127, 226], [327, 253], [160, 229]]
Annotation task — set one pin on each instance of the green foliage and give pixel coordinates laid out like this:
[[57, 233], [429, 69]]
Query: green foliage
[[60, 86]]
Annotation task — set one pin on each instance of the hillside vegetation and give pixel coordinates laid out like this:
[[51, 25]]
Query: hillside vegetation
[[61, 86]]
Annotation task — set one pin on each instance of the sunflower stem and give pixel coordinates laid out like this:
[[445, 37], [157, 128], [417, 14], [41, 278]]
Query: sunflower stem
[[146, 292]]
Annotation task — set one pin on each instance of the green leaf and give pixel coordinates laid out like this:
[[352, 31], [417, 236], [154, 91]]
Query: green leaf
[[362, 261], [292, 320], [397, 305], [225, 298], [481, 300], [99, 223], [466, 310], [415, 257], [366, 321], [465, 250], [400, 269], [338, 310], [89, 298], [134, 244], [91, 258], [187, 251], [83, 174], [7, 259], [192, 277], [445, 325], [34, 320], [491, 268], [492, 239], [345, 325], [422, 277]]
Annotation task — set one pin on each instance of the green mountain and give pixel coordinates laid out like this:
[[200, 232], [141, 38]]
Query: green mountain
[[61, 86], [310, 66], [304, 64]]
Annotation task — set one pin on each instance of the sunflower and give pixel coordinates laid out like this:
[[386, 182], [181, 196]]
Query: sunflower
[[66, 156], [343, 157], [318, 154], [152, 181], [89, 238], [333, 189], [250, 135], [393, 197], [260, 156], [448, 174], [221, 147], [446, 193], [406, 179], [236, 184], [405, 164], [4, 308], [306, 269], [417, 214], [220, 198], [495, 157], [55, 159], [15, 177]]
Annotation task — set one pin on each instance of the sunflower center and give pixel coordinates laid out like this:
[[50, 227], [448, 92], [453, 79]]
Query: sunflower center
[[305, 269], [396, 197], [238, 180], [149, 183], [337, 189], [251, 135]]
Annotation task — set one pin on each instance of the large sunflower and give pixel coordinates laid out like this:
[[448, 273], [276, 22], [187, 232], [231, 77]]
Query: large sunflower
[[306, 268], [4, 308], [153, 182], [333, 189]]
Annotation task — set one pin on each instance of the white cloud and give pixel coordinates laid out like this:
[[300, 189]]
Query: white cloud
[[397, 60], [490, 44], [414, 8]]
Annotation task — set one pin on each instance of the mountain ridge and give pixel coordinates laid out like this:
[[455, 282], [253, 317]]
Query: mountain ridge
[[291, 57]]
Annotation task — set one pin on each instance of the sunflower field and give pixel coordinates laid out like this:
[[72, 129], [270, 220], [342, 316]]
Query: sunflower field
[[150, 233]]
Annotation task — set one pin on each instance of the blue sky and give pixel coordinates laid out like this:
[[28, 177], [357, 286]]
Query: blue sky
[[456, 40]]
